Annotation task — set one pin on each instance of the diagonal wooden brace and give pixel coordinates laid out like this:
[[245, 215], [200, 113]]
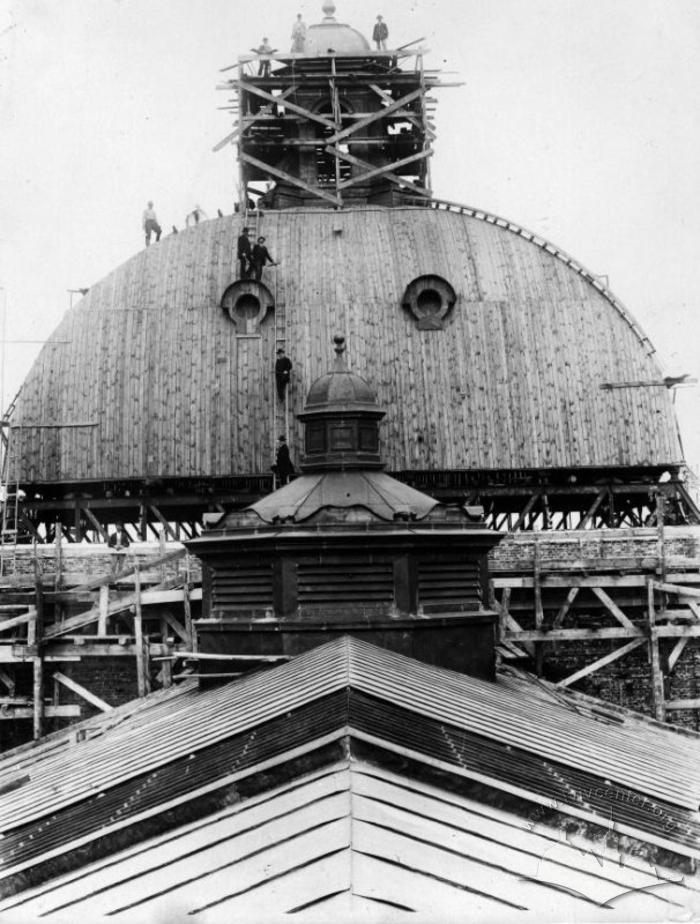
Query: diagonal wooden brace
[[293, 107], [385, 171], [295, 181], [374, 117]]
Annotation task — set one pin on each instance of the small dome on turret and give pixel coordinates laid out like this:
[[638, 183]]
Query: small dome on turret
[[342, 417], [340, 389], [332, 36]]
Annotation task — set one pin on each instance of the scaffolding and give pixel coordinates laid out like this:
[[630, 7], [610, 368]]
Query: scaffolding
[[334, 128]]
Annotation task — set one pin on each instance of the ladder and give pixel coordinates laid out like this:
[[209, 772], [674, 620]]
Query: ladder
[[9, 494]]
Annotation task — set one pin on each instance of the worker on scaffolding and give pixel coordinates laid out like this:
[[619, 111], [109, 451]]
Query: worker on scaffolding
[[259, 257], [120, 540], [380, 34], [299, 36], [264, 51]]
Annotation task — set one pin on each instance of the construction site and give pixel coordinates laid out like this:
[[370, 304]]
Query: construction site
[[489, 489]]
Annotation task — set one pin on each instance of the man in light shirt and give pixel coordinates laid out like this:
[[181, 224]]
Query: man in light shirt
[[150, 224]]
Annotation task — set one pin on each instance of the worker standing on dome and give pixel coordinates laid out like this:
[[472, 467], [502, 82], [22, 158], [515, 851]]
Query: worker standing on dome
[[260, 256], [244, 254], [283, 371], [380, 34], [150, 224], [195, 216], [299, 36]]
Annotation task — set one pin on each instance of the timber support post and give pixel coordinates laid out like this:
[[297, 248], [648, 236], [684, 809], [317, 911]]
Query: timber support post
[[657, 676], [35, 639]]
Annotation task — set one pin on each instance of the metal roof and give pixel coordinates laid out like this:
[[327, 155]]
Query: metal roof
[[357, 839], [377, 492], [634, 753]]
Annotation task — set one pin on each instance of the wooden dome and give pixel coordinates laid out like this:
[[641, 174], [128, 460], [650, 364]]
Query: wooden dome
[[487, 349]]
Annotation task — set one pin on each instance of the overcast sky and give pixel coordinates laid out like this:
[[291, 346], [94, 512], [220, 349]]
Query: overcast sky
[[579, 120]]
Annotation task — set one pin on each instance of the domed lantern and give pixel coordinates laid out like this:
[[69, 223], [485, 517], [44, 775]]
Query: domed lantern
[[342, 420]]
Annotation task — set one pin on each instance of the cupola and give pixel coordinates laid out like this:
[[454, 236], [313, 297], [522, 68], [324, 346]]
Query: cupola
[[342, 420], [333, 37], [346, 548]]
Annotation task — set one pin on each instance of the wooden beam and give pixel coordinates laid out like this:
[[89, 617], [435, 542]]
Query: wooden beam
[[572, 635], [231, 137], [38, 697], [409, 116], [8, 681], [665, 587], [539, 611], [601, 662], [141, 656], [146, 565], [592, 509], [561, 615], [676, 652], [514, 628], [374, 117], [295, 181], [103, 610], [612, 607], [81, 691], [657, 676], [17, 620], [189, 624], [95, 522], [532, 500], [293, 107], [386, 169], [37, 625], [125, 602], [176, 627], [164, 523], [50, 712], [683, 704]]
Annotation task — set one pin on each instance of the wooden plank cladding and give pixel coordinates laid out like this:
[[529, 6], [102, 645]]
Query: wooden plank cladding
[[161, 383]]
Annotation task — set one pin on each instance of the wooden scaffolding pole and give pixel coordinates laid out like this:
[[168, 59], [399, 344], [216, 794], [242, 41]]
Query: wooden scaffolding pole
[[141, 654], [657, 676]]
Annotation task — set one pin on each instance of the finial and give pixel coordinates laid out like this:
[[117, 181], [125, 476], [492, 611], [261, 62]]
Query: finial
[[329, 10], [339, 348]]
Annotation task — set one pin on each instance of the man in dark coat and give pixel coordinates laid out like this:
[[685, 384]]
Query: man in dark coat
[[260, 256], [283, 370], [380, 34], [244, 254], [283, 467]]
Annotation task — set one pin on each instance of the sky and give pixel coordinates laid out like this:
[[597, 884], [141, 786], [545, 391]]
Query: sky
[[578, 120]]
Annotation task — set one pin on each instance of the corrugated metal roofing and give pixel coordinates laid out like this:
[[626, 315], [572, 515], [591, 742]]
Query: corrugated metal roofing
[[635, 753], [355, 838]]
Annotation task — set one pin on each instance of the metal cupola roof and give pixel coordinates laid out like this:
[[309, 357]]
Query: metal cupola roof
[[332, 36], [340, 390]]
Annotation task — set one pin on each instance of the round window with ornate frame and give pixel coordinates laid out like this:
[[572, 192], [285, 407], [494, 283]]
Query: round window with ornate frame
[[247, 303], [429, 299]]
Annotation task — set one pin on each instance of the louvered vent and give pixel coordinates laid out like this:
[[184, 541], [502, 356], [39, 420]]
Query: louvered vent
[[242, 588], [355, 581], [445, 584]]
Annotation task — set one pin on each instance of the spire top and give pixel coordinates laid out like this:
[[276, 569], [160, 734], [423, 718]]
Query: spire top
[[328, 11], [339, 348]]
